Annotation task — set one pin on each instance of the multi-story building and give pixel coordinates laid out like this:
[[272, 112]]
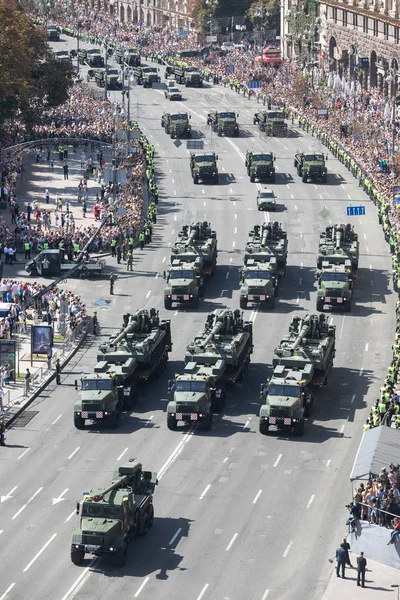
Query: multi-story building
[[163, 13]]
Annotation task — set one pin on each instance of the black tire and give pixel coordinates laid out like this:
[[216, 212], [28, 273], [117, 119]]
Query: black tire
[[219, 403], [79, 422], [252, 178], [207, 423], [298, 429], [196, 302], [167, 303], [243, 303], [150, 516], [304, 178], [113, 422], [325, 179], [119, 559], [272, 178], [144, 525], [263, 427], [172, 423], [77, 556], [320, 305], [196, 179]]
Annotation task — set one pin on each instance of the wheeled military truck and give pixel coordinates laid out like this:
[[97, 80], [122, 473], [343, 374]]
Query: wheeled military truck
[[267, 241], [188, 75], [311, 166], [176, 125], [113, 77], [303, 359], [138, 352], [146, 76], [224, 123], [219, 354], [271, 122], [130, 56], [184, 283], [259, 283], [260, 165], [337, 244], [203, 166], [110, 517], [197, 239], [94, 58], [53, 35]]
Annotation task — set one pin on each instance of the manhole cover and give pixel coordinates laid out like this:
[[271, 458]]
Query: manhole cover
[[24, 419]]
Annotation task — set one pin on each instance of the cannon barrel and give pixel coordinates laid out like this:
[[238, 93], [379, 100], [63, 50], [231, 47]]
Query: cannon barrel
[[304, 330], [338, 238], [219, 324], [132, 325], [121, 481]]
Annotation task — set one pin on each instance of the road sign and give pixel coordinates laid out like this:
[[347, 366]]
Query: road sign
[[229, 69], [210, 39], [324, 213], [177, 143], [195, 145], [355, 211], [254, 84]]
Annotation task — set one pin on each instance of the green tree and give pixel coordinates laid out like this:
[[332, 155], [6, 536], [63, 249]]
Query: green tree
[[265, 14], [232, 8]]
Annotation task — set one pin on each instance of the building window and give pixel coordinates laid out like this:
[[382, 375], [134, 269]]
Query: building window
[[386, 31], [376, 28], [365, 24], [355, 19], [334, 14], [397, 35], [344, 17]]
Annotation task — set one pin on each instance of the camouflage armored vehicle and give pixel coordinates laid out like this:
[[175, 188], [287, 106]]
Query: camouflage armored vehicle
[[311, 166], [304, 358], [218, 355], [146, 76], [110, 517], [337, 244], [260, 165], [259, 283], [271, 122], [203, 166], [137, 353], [197, 239], [184, 283], [224, 123], [267, 241], [188, 75], [176, 125]]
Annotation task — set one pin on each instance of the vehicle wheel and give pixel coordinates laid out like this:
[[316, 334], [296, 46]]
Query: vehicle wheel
[[129, 401], [172, 423], [215, 179], [113, 423], [270, 303], [220, 402], [298, 429], [150, 516], [119, 559], [263, 427], [308, 409], [273, 178], [144, 525], [167, 303], [207, 423], [236, 133], [347, 307], [196, 302], [79, 422], [196, 179], [252, 178], [304, 178], [325, 179], [77, 556], [320, 305], [243, 303], [201, 291]]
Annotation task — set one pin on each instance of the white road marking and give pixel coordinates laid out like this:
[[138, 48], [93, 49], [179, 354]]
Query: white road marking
[[76, 586], [70, 516], [156, 277], [295, 207], [222, 293], [365, 236], [175, 313], [28, 566], [301, 265], [234, 202], [311, 500], [174, 192], [23, 454], [328, 462], [342, 185], [361, 371], [227, 275], [141, 587], [320, 196], [298, 300], [122, 454], [229, 546], [288, 186], [172, 180], [230, 190], [203, 191], [291, 195], [8, 496], [366, 347], [175, 218], [353, 398], [233, 243], [265, 595], [60, 497], [235, 229], [74, 452], [205, 203], [175, 536], [149, 420], [148, 293], [341, 329], [367, 249], [287, 549], [25, 505], [203, 591], [172, 458], [235, 216], [10, 587], [257, 496], [164, 259], [370, 267], [277, 460], [300, 281], [342, 429], [55, 420], [173, 231], [225, 459], [205, 492]]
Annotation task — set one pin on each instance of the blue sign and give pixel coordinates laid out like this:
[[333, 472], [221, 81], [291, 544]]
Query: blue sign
[[254, 84], [355, 211], [229, 69]]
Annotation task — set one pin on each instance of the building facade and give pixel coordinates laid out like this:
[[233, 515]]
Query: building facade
[[158, 13]]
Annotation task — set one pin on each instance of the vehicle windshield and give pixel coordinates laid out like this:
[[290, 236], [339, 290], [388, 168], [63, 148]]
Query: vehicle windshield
[[283, 390], [204, 158], [97, 384], [190, 386], [258, 274], [313, 157], [264, 194], [227, 115], [100, 510], [265, 157], [173, 91], [181, 274], [274, 115], [93, 52], [179, 118], [149, 70], [112, 72], [334, 277], [192, 70], [62, 53]]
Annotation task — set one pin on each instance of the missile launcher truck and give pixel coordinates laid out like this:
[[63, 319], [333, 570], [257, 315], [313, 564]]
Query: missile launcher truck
[[219, 354], [265, 242], [137, 353], [110, 517], [271, 122], [224, 123], [303, 359], [311, 166]]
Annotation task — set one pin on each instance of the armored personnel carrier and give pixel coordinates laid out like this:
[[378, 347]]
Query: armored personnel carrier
[[203, 166], [135, 354], [338, 244], [260, 165], [311, 166], [219, 354], [267, 241], [197, 239], [224, 123], [304, 358], [110, 517], [176, 125], [271, 122], [259, 283]]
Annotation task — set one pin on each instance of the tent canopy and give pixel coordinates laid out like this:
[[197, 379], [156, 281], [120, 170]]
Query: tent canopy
[[379, 448]]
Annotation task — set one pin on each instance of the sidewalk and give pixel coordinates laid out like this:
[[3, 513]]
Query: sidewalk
[[378, 582]]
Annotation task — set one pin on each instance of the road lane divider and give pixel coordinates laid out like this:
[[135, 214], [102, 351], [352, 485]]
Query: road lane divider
[[34, 559], [25, 505]]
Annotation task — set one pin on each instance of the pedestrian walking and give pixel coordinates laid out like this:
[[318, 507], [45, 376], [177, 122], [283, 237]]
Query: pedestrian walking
[[346, 546], [27, 248], [113, 278], [27, 379], [340, 561], [58, 372], [119, 254], [129, 263], [361, 566], [84, 208], [47, 195], [65, 168], [95, 322]]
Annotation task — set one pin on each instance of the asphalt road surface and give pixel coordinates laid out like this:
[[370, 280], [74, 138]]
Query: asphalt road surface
[[238, 515]]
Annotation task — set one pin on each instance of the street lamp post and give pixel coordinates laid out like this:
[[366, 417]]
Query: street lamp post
[[48, 6], [78, 26], [262, 13], [392, 77]]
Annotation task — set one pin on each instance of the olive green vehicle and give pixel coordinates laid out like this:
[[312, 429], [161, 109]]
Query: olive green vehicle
[[146, 76], [265, 242], [259, 283], [203, 166], [224, 123], [337, 244], [260, 165], [176, 125], [110, 517], [113, 78], [137, 353], [197, 240], [129, 56], [219, 354], [303, 359], [335, 286], [311, 166], [184, 283], [188, 75], [271, 122]]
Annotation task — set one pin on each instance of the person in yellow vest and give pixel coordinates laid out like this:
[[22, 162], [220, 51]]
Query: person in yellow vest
[[141, 240], [76, 248], [382, 409], [45, 245], [113, 247], [367, 425], [27, 248]]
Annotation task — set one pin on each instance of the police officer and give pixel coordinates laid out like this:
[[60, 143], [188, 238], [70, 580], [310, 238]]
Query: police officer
[[58, 372], [129, 263], [27, 248], [113, 247], [141, 240]]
